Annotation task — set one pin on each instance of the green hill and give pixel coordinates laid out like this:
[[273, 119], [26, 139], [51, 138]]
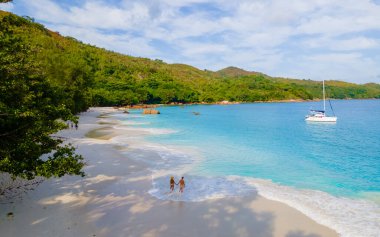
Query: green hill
[[96, 76], [235, 72]]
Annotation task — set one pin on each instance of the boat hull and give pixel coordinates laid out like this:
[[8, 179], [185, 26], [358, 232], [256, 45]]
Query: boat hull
[[321, 119]]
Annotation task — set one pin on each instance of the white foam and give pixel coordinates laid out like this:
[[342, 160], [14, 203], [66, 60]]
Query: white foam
[[172, 159], [349, 217], [179, 161], [130, 122], [130, 125], [199, 188], [146, 131], [122, 116]]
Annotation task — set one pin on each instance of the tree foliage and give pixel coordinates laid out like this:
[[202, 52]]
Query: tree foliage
[[31, 109]]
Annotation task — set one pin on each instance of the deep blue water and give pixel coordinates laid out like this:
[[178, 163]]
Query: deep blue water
[[272, 141]]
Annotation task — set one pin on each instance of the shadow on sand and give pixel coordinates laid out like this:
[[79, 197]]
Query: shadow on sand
[[113, 201]]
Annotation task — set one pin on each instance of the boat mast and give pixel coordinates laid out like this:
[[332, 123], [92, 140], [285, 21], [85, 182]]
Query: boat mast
[[324, 100]]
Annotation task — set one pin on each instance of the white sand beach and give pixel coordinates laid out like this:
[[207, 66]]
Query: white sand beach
[[113, 199]]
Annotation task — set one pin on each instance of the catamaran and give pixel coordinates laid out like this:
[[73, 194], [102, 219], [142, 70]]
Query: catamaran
[[320, 115]]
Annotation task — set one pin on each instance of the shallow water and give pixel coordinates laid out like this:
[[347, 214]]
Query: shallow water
[[331, 172]]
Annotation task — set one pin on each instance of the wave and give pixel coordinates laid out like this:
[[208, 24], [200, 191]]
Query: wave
[[146, 131], [200, 188], [130, 122], [349, 217]]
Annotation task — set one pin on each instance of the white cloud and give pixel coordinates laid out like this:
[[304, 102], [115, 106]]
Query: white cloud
[[351, 67], [190, 26], [342, 17], [191, 49], [45, 10], [97, 15], [334, 57], [349, 44], [6, 6], [357, 44], [92, 14], [120, 43], [255, 60]]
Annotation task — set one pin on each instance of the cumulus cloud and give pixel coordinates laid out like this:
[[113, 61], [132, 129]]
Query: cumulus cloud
[[122, 43], [6, 6], [92, 14], [345, 44], [272, 36], [351, 67]]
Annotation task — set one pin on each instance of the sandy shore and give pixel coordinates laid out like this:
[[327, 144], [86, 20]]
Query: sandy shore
[[113, 200]]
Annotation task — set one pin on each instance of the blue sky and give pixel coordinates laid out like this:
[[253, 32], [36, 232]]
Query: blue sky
[[314, 39]]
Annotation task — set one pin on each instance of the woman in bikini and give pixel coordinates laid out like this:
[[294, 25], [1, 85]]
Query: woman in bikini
[[172, 182]]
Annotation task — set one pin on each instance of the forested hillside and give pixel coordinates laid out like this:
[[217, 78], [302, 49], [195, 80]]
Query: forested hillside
[[96, 76]]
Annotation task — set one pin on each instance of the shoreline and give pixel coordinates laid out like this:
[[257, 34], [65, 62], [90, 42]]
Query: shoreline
[[114, 200], [152, 106]]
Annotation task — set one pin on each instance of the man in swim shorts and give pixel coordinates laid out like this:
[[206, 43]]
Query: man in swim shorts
[[181, 185]]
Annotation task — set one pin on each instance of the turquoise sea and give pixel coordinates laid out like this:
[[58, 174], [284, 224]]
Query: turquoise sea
[[326, 170]]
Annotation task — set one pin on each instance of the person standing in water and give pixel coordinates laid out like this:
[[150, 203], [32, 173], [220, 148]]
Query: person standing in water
[[172, 182], [181, 185]]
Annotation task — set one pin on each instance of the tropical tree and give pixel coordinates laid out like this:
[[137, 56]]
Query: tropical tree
[[30, 112]]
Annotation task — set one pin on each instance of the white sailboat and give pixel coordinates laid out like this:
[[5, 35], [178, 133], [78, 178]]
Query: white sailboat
[[320, 115]]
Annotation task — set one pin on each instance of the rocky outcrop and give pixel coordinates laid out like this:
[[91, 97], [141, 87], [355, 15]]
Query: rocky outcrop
[[142, 106], [151, 111], [226, 102]]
